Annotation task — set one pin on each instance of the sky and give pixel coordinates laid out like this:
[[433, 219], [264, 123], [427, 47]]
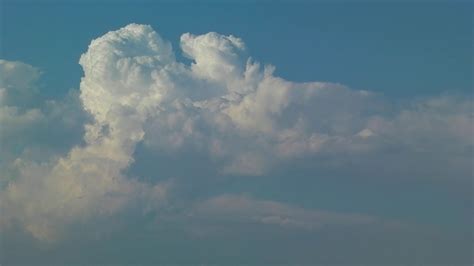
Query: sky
[[236, 133]]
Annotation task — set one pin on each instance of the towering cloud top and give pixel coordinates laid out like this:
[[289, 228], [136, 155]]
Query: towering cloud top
[[228, 109], [217, 57]]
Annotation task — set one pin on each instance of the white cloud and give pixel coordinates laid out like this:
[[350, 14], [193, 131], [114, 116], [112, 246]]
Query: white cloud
[[17, 111], [17, 83], [30, 129], [224, 106], [216, 56], [88, 181]]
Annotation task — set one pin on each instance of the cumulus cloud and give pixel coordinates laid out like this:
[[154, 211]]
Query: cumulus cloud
[[17, 89], [18, 83], [88, 182], [30, 129], [225, 107]]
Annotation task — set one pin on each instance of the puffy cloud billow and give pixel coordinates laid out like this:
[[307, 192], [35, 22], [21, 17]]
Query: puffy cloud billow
[[224, 107]]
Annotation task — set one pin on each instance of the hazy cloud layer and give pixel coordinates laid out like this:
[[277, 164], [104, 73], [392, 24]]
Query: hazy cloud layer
[[224, 107]]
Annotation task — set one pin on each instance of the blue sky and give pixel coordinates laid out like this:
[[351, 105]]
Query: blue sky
[[400, 49], [141, 126]]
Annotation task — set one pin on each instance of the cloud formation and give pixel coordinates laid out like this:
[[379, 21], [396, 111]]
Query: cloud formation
[[244, 209], [225, 107]]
